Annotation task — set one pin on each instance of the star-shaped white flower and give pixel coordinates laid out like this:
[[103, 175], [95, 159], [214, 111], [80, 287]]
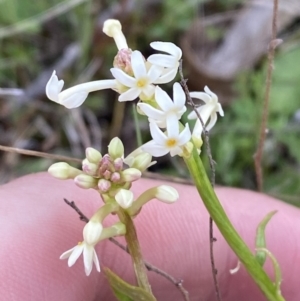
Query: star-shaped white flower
[[171, 142], [208, 111], [169, 61], [89, 256], [75, 96], [91, 234], [141, 82], [166, 105]]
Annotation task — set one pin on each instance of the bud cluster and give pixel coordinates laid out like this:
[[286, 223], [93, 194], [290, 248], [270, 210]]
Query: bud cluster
[[111, 175]]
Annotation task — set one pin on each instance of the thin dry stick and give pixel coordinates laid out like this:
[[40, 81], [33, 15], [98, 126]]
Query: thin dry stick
[[147, 174], [149, 266], [263, 130], [212, 163], [38, 154]]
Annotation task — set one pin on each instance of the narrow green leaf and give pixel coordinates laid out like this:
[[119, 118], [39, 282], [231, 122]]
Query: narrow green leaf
[[124, 291], [278, 277], [260, 241]]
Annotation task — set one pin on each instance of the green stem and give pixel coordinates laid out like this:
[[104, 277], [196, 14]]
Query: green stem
[[135, 251], [220, 218]]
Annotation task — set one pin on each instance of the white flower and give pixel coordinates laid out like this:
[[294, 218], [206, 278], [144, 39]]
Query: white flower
[[167, 106], [141, 82], [172, 141], [208, 111], [89, 256], [91, 234], [75, 96], [169, 61]]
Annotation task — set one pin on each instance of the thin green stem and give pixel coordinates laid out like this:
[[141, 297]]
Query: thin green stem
[[135, 251], [220, 218]]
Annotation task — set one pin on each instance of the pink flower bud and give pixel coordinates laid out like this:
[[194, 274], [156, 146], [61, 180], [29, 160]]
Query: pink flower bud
[[123, 61], [89, 168], [104, 185], [118, 164], [115, 177]]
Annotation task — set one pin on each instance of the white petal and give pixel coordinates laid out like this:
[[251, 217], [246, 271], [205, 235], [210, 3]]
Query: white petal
[[178, 96], [220, 109], [88, 254], [123, 78], [130, 94], [150, 111], [96, 261], [154, 73], [75, 100], [163, 100], [193, 115], [175, 151], [206, 111], [158, 136], [148, 90], [212, 121], [197, 131], [185, 135], [160, 123], [172, 126], [201, 95], [66, 254], [167, 76], [163, 60], [138, 64], [212, 94], [154, 149], [167, 47], [75, 255], [54, 87]]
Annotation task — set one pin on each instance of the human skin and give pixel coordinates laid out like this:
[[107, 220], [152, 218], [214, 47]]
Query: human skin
[[37, 227]]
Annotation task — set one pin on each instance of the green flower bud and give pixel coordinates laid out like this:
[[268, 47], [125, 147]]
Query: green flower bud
[[93, 155], [85, 181], [131, 174], [116, 148], [63, 171], [124, 198]]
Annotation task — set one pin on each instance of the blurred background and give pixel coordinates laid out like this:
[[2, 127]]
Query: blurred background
[[224, 46]]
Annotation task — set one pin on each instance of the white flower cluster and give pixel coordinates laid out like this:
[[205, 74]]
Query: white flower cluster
[[111, 175], [137, 77]]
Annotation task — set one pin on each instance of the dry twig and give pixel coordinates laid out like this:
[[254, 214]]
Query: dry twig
[[263, 130], [38, 154]]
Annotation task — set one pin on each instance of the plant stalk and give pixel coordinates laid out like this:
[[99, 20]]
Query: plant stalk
[[220, 218], [135, 250]]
